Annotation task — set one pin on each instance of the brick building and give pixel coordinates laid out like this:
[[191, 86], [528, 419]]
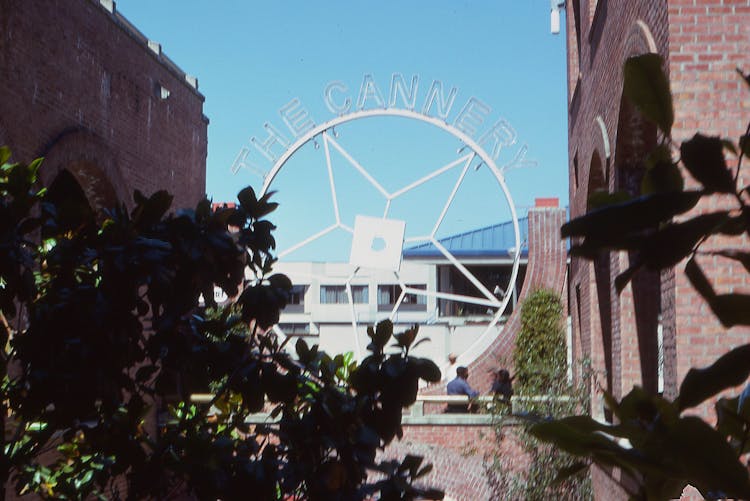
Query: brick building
[[658, 328], [85, 89]]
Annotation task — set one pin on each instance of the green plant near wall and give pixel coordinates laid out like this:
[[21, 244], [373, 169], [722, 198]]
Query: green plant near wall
[[660, 447], [543, 389], [540, 355]]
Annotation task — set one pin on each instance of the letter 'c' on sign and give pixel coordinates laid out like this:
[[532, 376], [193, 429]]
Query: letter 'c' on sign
[[341, 108]]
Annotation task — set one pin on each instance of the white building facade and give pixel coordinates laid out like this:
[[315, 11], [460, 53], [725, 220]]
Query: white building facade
[[332, 301]]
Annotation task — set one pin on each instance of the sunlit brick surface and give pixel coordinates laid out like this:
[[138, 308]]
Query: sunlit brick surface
[[703, 41], [81, 87]]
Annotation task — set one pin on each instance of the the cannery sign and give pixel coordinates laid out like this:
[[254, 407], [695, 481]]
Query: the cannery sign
[[377, 235], [471, 120]]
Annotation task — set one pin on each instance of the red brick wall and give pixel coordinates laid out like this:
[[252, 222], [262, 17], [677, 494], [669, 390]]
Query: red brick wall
[[462, 457], [611, 33], [80, 86], [702, 42], [468, 440], [707, 42]]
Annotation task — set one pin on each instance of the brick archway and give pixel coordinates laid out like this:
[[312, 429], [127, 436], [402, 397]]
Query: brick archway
[[636, 312], [93, 164]]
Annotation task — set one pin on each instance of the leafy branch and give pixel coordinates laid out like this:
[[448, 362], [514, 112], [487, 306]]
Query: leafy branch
[[662, 449], [108, 324]]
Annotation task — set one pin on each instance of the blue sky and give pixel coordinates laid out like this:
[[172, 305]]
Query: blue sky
[[252, 58]]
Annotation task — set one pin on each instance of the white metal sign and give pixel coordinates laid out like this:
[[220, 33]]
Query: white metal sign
[[437, 105], [377, 238]]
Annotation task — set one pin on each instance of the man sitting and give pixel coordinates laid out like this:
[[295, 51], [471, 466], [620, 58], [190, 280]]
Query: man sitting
[[459, 386]]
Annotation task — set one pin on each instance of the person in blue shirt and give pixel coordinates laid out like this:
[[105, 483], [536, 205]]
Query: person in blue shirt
[[460, 386]]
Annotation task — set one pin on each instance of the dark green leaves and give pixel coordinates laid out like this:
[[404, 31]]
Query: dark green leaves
[[666, 451], [731, 370], [149, 211], [639, 224], [256, 208], [4, 154], [112, 320], [671, 243], [602, 198], [247, 198], [399, 478], [427, 369], [19, 199], [67, 203], [706, 459], [620, 219], [704, 158], [303, 351], [745, 145], [380, 335], [662, 175], [732, 309], [647, 87], [733, 422], [18, 178], [262, 303], [405, 339], [576, 435], [666, 454]]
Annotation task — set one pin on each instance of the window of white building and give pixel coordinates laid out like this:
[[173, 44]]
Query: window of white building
[[389, 294], [336, 294], [296, 302]]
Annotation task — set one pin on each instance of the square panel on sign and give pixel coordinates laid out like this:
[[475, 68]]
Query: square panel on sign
[[377, 243]]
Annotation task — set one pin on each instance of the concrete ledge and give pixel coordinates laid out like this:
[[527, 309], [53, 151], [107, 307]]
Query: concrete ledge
[[430, 420], [450, 420], [414, 415], [261, 418]]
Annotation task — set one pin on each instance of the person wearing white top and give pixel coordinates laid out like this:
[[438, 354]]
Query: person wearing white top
[[449, 370]]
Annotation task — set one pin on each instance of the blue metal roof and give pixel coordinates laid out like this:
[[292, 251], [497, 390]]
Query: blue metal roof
[[495, 241]]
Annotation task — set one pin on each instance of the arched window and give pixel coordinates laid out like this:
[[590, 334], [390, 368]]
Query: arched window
[[99, 190], [636, 138], [93, 165]]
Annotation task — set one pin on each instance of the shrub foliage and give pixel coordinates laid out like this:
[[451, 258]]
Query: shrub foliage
[[539, 356], [100, 321], [543, 389]]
